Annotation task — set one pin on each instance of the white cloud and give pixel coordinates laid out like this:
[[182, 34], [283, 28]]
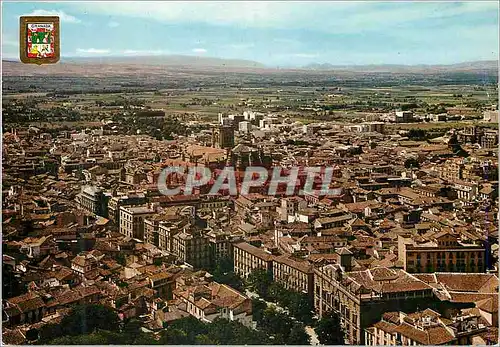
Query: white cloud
[[199, 50], [64, 17], [333, 17], [92, 51], [286, 40], [305, 55], [113, 24], [82, 52], [241, 45], [241, 13], [10, 43], [144, 52]]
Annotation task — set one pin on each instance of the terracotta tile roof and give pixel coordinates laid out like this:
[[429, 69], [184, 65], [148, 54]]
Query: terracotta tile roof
[[469, 297], [437, 335], [465, 282], [374, 279], [27, 302], [386, 326], [427, 278], [258, 252], [392, 317], [63, 273], [489, 305], [302, 266]]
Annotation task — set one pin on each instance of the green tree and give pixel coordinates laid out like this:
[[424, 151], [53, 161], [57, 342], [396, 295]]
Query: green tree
[[144, 339], [132, 328], [259, 281], [174, 336], [278, 293], [223, 272], [98, 338], [49, 332], [222, 331], [258, 307], [227, 332], [274, 322], [204, 340], [88, 318], [301, 307], [298, 336], [191, 327], [329, 330]]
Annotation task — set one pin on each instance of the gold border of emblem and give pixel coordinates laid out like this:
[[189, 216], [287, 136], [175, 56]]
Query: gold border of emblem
[[23, 39]]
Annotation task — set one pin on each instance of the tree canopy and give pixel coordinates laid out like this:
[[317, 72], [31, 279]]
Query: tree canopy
[[223, 272], [190, 331], [329, 330]]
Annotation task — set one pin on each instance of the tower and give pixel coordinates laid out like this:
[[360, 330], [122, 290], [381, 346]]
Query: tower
[[223, 136]]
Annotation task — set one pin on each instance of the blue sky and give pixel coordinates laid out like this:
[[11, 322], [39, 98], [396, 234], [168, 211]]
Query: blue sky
[[274, 33]]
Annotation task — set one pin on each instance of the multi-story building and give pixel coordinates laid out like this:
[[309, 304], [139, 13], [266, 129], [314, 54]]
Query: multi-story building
[[378, 127], [361, 297], [423, 328], [289, 206], [133, 174], [132, 220], [192, 246], [172, 217], [451, 169], [151, 229], [294, 274], [404, 117], [209, 301], [123, 200], [465, 190], [220, 245], [27, 308], [248, 258], [223, 136], [489, 139], [443, 252], [490, 116], [83, 264], [166, 232], [93, 200], [332, 221], [163, 283], [211, 204]]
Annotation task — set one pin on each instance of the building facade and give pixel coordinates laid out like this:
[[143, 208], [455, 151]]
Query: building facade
[[445, 253], [248, 258], [294, 275], [192, 246], [360, 297], [132, 220]]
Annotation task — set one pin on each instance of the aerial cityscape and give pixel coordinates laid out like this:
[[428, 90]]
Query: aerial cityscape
[[251, 173]]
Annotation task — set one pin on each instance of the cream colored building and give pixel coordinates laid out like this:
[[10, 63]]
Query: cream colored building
[[132, 220]]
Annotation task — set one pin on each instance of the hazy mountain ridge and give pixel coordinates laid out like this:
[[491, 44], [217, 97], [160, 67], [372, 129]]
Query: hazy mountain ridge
[[167, 60], [465, 66], [136, 65]]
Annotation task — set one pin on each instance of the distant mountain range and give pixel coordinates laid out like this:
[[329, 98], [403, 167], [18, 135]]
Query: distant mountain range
[[166, 60], [467, 66], [159, 64]]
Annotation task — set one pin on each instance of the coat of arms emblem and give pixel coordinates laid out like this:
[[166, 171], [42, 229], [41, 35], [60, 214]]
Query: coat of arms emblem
[[39, 40]]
